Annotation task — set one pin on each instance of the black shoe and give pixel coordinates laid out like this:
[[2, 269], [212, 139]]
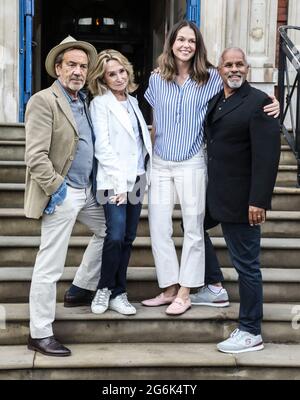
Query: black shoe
[[48, 346], [78, 300]]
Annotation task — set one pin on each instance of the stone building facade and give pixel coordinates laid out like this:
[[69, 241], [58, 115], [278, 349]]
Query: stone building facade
[[250, 24]]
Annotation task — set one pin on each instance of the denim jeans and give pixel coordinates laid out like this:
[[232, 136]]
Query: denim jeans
[[243, 243], [121, 226]]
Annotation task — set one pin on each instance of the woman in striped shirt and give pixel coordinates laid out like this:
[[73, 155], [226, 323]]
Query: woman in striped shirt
[[179, 96]]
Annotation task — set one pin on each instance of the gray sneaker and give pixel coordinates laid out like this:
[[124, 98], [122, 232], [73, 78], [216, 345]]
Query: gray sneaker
[[206, 297], [122, 305], [100, 302], [241, 342]]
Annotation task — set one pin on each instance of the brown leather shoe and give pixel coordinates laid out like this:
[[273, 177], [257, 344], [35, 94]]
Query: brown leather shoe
[[48, 346], [79, 300]]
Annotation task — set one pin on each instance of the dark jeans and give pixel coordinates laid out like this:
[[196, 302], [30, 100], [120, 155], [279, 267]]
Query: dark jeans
[[121, 227], [243, 243], [213, 272]]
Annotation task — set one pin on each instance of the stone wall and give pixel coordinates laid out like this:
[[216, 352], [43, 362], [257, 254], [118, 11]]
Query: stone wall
[[249, 24], [9, 60]]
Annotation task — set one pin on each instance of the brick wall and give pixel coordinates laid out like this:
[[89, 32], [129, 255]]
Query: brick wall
[[282, 10], [281, 20]]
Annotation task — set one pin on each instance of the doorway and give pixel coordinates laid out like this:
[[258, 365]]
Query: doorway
[[133, 27]]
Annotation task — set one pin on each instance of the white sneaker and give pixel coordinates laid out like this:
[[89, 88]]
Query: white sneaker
[[206, 297], [241, 342], [100, 302], [122, 305]]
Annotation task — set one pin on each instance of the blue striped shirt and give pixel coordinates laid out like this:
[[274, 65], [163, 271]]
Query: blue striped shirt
[[179, 113]]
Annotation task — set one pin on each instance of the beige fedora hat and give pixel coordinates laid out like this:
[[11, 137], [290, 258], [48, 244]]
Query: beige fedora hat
[[65, 44]]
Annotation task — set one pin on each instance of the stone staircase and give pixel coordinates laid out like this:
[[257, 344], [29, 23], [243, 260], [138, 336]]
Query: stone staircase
[[149, 345]]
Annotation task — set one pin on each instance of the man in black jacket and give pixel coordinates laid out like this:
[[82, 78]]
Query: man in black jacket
[[243, 149]]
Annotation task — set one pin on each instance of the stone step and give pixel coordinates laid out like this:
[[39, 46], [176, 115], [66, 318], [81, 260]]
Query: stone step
[[151, 324], [21, 251], [12, 195], [285, 224], [284, 198], [278, 224], [13, 222], [12, 150], [286, 173], [14, 172], [16, 131], [12, 131], [281, 285], [141, 361], [287, 157]]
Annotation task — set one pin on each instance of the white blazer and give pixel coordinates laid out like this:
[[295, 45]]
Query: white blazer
[[115, 146]]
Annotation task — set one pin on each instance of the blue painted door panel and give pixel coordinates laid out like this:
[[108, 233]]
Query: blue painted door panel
[[26, 8], [193, 8]]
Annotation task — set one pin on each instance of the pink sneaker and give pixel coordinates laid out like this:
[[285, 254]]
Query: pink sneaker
[[178, 306], [159, 300]]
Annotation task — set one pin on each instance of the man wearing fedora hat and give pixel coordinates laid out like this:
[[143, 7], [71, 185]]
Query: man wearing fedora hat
[[60, 188]]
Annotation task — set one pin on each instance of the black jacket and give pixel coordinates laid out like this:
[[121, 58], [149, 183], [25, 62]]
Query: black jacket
[[243, 149]]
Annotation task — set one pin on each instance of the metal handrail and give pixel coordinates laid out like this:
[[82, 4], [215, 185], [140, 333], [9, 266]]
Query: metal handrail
[[289, 52]]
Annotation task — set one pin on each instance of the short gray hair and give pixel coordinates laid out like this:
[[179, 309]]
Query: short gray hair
[[221, 58]]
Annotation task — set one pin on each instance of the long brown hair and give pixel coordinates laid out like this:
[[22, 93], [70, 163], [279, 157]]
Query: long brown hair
[[199, 63]]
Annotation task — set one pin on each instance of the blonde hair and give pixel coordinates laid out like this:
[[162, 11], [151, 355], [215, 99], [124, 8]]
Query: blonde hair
[[96, 84]]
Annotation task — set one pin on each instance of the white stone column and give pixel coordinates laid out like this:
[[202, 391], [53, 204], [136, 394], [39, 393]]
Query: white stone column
[[9, 60], [294, 19], [294, 35], [249, 24], [261, 43], [213, 27]]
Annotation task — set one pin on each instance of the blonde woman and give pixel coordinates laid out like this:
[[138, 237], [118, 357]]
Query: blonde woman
[[123, 150]]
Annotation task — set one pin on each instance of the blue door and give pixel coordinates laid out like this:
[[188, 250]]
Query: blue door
[[26, 8], [193, 8]]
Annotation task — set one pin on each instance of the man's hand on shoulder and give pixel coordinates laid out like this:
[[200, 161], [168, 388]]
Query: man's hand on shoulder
[[273, 109]]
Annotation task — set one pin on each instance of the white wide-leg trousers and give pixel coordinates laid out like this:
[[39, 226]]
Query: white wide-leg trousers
[[185, 181]]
